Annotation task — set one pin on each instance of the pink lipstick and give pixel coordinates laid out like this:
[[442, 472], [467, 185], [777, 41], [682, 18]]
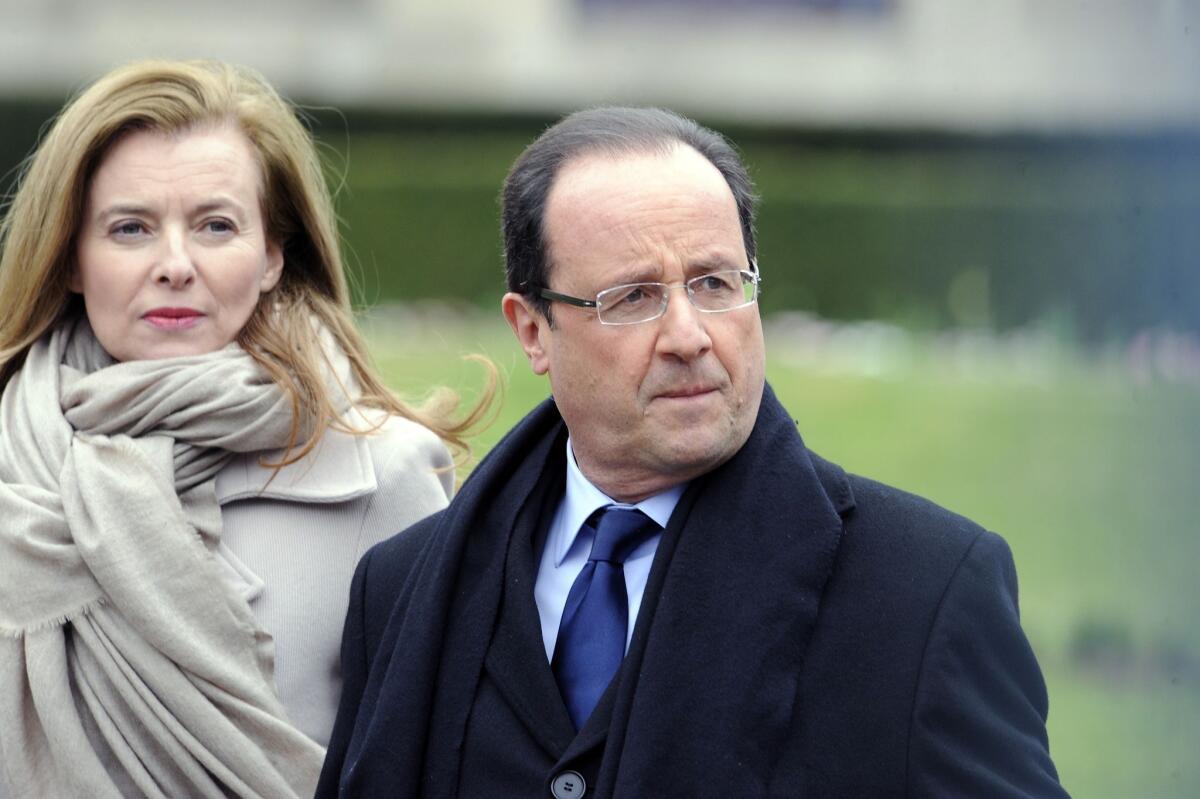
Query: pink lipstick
[[172, 318]]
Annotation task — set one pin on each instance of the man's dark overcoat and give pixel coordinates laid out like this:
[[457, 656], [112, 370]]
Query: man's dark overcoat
[[804, 633]]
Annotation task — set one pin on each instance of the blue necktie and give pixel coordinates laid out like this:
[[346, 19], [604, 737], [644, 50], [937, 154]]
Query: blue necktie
[[591, 636]]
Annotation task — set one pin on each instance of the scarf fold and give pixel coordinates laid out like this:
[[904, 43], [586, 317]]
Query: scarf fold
[[129, 659]]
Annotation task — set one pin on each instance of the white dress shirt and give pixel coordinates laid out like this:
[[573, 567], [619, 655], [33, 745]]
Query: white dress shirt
[[568, 545]]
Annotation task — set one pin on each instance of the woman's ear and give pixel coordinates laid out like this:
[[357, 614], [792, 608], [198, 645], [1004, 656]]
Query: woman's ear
[[274, 269]]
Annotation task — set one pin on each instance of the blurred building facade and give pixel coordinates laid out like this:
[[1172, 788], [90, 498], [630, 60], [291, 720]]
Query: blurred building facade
[[958, 65]]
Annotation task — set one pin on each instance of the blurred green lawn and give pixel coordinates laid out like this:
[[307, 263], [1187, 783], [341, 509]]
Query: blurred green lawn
[[1090, 476]]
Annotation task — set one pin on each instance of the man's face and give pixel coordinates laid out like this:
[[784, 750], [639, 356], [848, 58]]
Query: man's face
[[653, 404]]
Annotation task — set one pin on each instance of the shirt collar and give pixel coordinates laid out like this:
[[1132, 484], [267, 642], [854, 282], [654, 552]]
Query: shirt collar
[[582, 499]]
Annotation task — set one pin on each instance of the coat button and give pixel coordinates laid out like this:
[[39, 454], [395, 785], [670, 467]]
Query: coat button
[[568, 785]]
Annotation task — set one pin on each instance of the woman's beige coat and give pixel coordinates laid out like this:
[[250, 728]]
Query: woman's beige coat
[[293, 542]]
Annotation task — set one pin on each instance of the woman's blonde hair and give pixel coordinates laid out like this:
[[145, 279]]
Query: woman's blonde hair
[[38, 235]]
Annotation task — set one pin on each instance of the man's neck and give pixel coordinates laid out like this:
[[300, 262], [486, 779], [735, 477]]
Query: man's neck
[[625, 488]]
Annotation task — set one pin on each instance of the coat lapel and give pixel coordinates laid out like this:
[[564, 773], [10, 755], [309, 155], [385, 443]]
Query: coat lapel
[[407, 740], [717, 685], [608, 723], [515, 660]]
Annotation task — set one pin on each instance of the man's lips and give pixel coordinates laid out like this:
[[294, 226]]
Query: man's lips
[[686, 393], [172, 318]]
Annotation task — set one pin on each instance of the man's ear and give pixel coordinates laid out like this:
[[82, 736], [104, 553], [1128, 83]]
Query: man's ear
[[530, 328]]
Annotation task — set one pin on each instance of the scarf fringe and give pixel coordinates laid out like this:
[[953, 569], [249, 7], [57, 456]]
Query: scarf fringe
[[53, 622]]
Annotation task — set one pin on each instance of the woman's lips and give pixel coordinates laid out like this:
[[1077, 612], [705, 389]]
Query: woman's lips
[[173, 318]]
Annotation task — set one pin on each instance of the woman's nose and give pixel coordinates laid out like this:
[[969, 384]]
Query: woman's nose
[[175, 267]]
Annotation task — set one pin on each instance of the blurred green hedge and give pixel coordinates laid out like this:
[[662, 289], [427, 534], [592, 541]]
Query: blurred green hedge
[[1096, 237]]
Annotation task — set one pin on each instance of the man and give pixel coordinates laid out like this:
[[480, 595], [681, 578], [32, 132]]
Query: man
[[650, 587]]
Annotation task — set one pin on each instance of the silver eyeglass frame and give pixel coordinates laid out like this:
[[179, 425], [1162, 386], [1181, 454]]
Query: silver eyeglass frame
[[580, 302]]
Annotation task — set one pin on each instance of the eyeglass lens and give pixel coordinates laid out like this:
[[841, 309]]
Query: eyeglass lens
[[641, 302]]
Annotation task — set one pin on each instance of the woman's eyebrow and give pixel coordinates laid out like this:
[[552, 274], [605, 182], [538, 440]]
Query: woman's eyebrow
[[218, 204], [123, 209]]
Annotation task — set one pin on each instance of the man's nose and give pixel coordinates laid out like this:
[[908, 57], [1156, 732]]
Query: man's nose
[[175, 266], [682, 332]]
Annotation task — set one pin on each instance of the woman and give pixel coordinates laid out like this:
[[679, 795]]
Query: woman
[[194, 448]]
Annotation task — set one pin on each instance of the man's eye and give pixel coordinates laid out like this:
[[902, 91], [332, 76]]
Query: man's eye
[[627, 295], [712, 284]]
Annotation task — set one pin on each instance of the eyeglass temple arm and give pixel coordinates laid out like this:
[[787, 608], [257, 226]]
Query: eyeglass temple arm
[[569, 300]]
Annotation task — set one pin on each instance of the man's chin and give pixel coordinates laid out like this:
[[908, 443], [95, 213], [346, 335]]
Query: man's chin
[[696, 454]]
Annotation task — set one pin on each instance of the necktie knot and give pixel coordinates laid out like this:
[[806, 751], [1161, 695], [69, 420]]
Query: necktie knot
[[619, 531]]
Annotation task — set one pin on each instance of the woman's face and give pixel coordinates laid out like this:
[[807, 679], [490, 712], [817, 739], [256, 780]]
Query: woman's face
[[172, 253]]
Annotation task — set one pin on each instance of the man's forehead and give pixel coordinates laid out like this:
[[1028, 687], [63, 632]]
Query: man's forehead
[[630, 206], [603, 190], [676, 160]]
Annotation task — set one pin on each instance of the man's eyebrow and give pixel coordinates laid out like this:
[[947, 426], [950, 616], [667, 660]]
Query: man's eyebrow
[[652, 273], [712, 263], [625, 275]]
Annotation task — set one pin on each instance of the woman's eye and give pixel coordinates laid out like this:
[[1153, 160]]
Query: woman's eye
[[129, 228], [218, 226]]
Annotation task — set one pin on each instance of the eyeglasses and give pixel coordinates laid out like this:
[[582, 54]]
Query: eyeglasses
[[629, 304]]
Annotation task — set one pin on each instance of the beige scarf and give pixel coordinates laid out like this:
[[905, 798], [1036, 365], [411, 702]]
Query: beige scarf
[[128, 660]]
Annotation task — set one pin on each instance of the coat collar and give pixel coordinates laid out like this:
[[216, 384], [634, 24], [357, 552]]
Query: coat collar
[[724, 627], [718, 651], [338, 468]]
